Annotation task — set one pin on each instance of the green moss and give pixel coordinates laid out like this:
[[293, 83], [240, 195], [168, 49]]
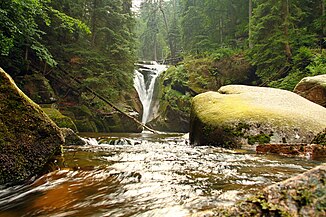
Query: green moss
[[260, 139], [86, 125], [320, 138], [267, 208], [61, 120]]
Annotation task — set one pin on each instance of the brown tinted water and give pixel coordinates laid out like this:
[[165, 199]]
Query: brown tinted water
[[146, 175]]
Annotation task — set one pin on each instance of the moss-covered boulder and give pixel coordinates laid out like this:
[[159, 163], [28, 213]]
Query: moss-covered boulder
[[313, 89], [28, 137], [239, 114]]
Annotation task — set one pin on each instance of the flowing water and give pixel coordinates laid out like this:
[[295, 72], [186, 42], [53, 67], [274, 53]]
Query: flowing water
[[145, 175], [144, 82]]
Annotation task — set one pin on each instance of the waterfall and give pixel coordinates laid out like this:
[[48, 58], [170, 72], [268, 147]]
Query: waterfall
[[144, 82]]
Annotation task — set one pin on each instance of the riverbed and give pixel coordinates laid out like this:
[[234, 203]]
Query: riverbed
[[145, 175]]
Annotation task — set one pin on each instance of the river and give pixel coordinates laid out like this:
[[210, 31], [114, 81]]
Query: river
[[145, 175]]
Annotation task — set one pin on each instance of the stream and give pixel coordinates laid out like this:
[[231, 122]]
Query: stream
[[145, 175]]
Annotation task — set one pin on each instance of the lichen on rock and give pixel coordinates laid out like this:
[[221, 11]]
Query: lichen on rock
[[238, 114], [28, 137]]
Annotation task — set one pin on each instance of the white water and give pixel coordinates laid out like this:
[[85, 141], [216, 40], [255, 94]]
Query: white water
[[145, 87]]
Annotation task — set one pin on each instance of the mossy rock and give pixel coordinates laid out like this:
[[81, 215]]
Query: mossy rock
[[171, 120], [58, 118], [238, 114], [302, 195], [320, 138], [117, 122], [29, 139], [79, 112], [86, 125]]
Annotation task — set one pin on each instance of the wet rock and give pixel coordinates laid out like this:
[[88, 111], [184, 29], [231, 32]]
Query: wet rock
[[71, 138], [313, 89], [302, 195], [237, 115], [117, 122], [28, 137], [171, 120]]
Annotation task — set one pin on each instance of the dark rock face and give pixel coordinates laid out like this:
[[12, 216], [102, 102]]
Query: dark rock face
[[28, 137], [38, 88], [88, 120], [313, 89], [171, 120]]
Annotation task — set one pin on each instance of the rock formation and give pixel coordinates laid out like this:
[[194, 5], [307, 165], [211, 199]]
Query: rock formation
[[28, 137], [238, 114], [313, 89]]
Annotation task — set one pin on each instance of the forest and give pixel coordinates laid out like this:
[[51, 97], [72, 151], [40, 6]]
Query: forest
[[162, 108], [272, 43], [283, 39]]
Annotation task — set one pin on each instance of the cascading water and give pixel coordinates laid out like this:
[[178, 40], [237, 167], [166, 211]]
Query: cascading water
[[144, 82]]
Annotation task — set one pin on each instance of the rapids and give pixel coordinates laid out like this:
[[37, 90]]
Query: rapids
[[145, 175]]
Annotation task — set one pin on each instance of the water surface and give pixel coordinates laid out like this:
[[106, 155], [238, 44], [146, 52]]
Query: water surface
[[146, 175]]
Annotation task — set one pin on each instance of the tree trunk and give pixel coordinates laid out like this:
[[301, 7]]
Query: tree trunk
[[286, 14], [93, 23], [167, 30], [221, 30], [322, 5], [155, 46], [250, 30]]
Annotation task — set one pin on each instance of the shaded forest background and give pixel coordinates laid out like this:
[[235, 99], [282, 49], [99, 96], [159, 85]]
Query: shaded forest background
[[283, 39], [259, 42]]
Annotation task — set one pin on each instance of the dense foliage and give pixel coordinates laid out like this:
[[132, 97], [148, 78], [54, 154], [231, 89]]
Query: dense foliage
[[283, 39], [92, 39]]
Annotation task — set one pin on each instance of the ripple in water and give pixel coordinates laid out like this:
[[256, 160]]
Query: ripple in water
[[146, 176]]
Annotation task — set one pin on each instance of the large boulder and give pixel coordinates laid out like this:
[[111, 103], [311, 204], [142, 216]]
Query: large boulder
[[28, 137], [238, 114], [313, 88]]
